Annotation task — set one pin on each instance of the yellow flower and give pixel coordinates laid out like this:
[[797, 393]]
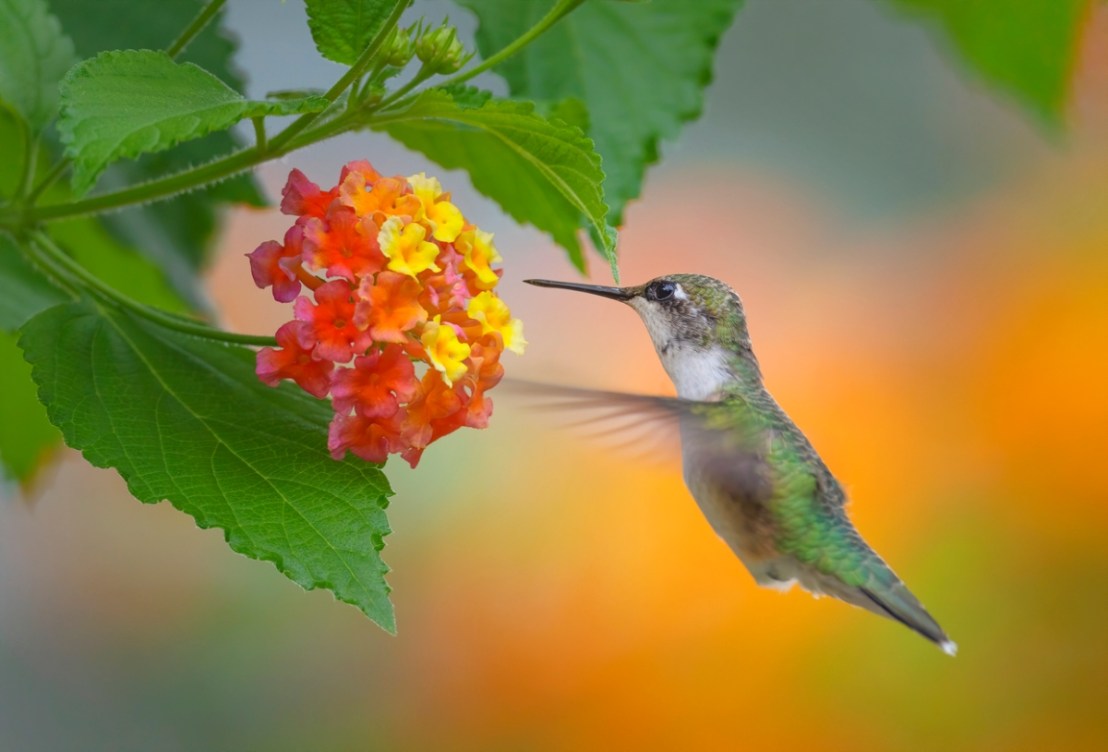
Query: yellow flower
[[479, 254], [445, 351], [494, 316], [405, 247], [426, 189], [446, 220]]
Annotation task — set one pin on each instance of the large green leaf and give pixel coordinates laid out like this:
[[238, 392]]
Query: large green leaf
[[26, 435], [186, 420], [342, 29], [34, 55], [1027, 48], [176, 234], [540, 171], [640, 69], [131, 102]]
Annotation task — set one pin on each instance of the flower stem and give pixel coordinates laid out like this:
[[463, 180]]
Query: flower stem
[[560, 10], [360, 66], [56, 259], [203, 18]]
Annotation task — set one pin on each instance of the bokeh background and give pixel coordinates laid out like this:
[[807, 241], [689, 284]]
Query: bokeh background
[[926, 277]]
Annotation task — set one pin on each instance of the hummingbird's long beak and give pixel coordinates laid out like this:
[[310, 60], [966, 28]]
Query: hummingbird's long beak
[[615, 293]]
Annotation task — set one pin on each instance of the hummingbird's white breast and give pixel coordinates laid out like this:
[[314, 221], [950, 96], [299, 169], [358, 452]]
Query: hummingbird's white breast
[[697, 374]]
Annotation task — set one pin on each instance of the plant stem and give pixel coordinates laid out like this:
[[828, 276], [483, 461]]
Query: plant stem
[[563, 8], [352, 75], [259, 133], [203, 18], [30, 153], [417, 79], [54, 257], [48, 180]]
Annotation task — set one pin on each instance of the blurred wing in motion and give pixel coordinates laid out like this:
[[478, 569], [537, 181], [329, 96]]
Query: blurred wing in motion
[[643, 425]]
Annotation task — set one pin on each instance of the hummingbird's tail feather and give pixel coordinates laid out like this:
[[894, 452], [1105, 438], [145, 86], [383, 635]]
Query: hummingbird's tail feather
[[896, 602]]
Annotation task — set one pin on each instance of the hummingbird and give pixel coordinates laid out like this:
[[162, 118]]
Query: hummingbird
[[756, 477]]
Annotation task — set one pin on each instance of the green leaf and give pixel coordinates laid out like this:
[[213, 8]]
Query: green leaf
[[34, 55], [342, 29], [639, 68], [1026, 48], [177, 233], [130, 102], [186, 420], [24, 290], [26, 436], [540, 171]]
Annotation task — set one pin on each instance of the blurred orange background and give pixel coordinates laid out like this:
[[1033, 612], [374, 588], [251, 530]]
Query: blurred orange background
[[926, 280]]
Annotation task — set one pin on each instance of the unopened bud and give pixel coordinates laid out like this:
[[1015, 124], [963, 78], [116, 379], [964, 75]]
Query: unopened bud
[[440, 50], [399, 48]]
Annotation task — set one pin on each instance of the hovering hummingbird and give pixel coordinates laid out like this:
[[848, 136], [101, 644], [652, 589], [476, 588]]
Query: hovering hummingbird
[[755, 476]]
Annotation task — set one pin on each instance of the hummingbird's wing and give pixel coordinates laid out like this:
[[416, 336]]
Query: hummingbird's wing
[[727, 449]]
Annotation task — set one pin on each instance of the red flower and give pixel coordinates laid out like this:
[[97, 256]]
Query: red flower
[[376, 384], [372, 439], [302, 196], [363, 168], [294, 362], [275, 264], [343, 244], [330, 323]]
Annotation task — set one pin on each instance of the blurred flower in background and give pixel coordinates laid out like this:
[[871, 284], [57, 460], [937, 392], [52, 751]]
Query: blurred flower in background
[[925, 277]]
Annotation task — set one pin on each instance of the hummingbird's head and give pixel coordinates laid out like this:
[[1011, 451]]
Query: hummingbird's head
[[696, 323]]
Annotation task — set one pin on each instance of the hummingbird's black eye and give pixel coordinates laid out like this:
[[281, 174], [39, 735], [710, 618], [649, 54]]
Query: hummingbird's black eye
[[663, 289]]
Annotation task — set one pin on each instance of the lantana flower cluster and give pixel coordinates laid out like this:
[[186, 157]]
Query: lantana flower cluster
[[399, 322]]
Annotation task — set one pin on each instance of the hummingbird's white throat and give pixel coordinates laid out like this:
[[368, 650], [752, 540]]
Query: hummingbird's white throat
[[697, 373]]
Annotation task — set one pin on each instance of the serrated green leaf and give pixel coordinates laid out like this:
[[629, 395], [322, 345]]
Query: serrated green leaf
[[179, 233], [639, 68], [1026, 48], [342, 29], [34, 55], [130, 102], [542, 172], [26, 436], [186, 420], [24, 290]]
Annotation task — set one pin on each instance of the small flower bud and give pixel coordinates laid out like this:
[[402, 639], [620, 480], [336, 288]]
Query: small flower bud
[[399, 48], [439, 49]]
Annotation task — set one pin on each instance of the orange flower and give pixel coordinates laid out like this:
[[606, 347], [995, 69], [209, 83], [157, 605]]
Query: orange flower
[[345, 245], [389, 306]]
